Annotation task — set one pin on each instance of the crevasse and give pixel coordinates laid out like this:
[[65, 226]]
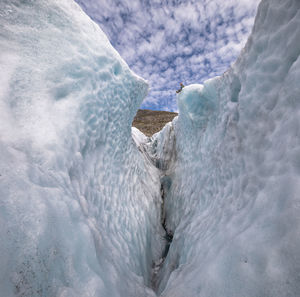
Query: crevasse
[[80, 192]]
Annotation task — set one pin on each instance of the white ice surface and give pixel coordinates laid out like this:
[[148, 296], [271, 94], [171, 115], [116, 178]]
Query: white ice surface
[[234, 201], [79, 205], [80, 199], [138, 137], [162, 148]]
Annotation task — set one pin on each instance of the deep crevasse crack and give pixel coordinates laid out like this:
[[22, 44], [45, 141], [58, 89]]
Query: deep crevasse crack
[[160, 149]]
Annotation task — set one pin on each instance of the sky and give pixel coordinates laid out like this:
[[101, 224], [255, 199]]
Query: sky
[[171, 41]]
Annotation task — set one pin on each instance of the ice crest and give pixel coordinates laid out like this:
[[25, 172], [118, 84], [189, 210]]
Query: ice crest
[[233, 202]]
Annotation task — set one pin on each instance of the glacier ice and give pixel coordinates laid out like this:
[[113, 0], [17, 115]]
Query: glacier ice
[[233, 203], [80, 206], [80, 190]]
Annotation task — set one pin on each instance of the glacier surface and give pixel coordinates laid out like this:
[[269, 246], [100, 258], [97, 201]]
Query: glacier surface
[[81, 210], [233, 203], [80, 206]]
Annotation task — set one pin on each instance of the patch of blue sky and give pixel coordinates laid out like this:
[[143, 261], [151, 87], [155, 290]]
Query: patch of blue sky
[[168, 42]]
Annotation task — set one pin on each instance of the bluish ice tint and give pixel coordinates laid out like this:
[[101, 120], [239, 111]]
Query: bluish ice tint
[[80, 191], [233, 204], [80, 206]]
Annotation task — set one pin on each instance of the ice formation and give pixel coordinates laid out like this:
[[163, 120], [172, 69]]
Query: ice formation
[[80, 193], [80, 206], [233, 203]]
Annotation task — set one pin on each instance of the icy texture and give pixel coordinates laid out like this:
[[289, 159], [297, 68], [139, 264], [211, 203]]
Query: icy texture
[[234, 202], [79, 206], [162, 148], [138, 137]]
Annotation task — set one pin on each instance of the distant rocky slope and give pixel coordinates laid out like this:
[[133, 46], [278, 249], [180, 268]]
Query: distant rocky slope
[[152, 121]]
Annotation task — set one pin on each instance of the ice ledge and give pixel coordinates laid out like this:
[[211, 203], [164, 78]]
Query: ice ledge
[[196, 102]]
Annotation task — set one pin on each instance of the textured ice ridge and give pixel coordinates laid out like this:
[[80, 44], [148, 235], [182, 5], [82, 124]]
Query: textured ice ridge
[[79, 205], [233, 200]]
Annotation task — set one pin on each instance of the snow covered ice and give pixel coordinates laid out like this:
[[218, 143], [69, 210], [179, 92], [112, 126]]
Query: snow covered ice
[[80, 191], [234, 201], [80, 207]]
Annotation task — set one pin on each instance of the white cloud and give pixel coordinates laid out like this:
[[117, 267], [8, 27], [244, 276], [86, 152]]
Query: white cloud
[[164, 42]]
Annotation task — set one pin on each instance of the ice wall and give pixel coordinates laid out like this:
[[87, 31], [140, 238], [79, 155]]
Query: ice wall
[[234, 202], [79, 205]]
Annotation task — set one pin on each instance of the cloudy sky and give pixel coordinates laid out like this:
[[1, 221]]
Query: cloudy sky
[[172, 41]]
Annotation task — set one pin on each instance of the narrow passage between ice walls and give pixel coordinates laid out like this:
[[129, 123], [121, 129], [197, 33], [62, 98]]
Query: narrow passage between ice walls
[[81, 209]]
